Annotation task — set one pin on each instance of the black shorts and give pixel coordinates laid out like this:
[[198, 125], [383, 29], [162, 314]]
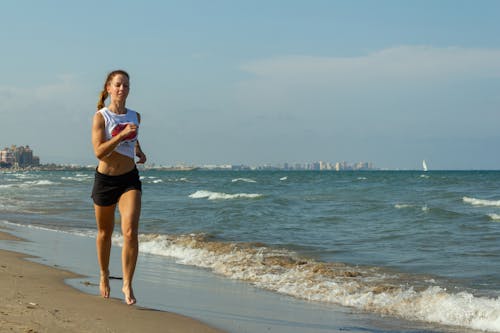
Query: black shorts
[[108, 189]]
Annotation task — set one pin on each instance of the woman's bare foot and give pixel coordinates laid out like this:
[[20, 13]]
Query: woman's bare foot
[[129, 295], [104, 285]]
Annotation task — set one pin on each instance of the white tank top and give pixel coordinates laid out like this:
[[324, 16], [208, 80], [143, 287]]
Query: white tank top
[[115, 123]]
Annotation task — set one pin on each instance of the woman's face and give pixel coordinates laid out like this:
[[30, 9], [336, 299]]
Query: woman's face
[[118, 87]]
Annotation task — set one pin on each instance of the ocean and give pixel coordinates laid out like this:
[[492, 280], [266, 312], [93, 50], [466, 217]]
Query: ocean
[[422, 247]]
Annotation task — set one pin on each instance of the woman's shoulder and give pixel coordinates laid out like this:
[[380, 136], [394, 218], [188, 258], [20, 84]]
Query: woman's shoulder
[[102, 111], [134, 113], [99, 118]]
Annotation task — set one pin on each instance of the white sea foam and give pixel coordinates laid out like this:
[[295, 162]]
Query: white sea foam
[[178, 180], [283, 178], [481, 202], [42, 182], [24, 176], [494, 217], [78, 178], [367, 289], [424, 208], [32, 183], [150, 179], [157, 180], [245, 180], [402, 206], [222, 196]]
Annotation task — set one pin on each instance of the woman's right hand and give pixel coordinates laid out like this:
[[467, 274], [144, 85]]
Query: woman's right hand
[[130, 131], [125, 132]]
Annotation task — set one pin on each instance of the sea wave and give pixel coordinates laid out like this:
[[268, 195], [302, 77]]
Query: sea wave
[[42, 182], [365, 288], [78, 178], [23, 175], [156, 180], [223, 196], [423, 208], [178, 180], [402, 206], [245, 180], [14, 206], [494, 217], [481, 202]]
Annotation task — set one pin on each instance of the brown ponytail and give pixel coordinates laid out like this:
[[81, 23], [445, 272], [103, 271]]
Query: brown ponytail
[[102, 98], [104, 93]]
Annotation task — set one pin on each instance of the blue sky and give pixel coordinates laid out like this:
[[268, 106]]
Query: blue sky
[[254, 82]]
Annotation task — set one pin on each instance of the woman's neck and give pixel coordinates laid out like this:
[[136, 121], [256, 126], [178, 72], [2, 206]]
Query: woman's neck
[[118, 108]]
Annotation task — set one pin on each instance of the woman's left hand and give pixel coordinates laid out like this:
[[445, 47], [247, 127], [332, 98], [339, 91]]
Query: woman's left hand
[[141, 156]]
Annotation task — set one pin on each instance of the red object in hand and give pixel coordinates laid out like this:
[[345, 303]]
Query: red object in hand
[[120, 127]]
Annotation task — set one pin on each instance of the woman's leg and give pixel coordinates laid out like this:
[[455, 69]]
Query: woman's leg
[[105, 218], [130, 210]]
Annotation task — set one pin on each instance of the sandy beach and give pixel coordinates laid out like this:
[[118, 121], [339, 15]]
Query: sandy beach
[[36, 299]]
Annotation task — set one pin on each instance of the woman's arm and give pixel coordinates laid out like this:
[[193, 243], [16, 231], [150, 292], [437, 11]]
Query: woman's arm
[[138, 151]]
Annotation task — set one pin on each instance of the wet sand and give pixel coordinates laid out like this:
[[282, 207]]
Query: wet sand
[[34, 298]]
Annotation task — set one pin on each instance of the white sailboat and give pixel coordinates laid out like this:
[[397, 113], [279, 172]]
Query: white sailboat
[[424, 165]]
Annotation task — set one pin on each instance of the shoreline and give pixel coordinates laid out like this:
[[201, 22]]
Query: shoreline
[[164, 286], [35, 298]]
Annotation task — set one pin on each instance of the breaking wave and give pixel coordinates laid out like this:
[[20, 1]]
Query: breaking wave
[[79, 177], [494, 217], [223, 196], [245, 180], [481, 202], [157, 180], [29, 184], [402, 206], [366, 288]]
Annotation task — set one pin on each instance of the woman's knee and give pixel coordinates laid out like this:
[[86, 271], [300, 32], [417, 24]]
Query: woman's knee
[[104, 234], [130, 234]]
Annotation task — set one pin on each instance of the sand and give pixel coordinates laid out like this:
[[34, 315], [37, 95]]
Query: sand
[[34, 298]]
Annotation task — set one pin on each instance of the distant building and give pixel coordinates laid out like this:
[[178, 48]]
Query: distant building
[[6, 158], [18, 157], [339, 166]]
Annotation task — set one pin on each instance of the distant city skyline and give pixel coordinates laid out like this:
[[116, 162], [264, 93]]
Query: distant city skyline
[[316, 165], [23, 156], [258, 82]]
